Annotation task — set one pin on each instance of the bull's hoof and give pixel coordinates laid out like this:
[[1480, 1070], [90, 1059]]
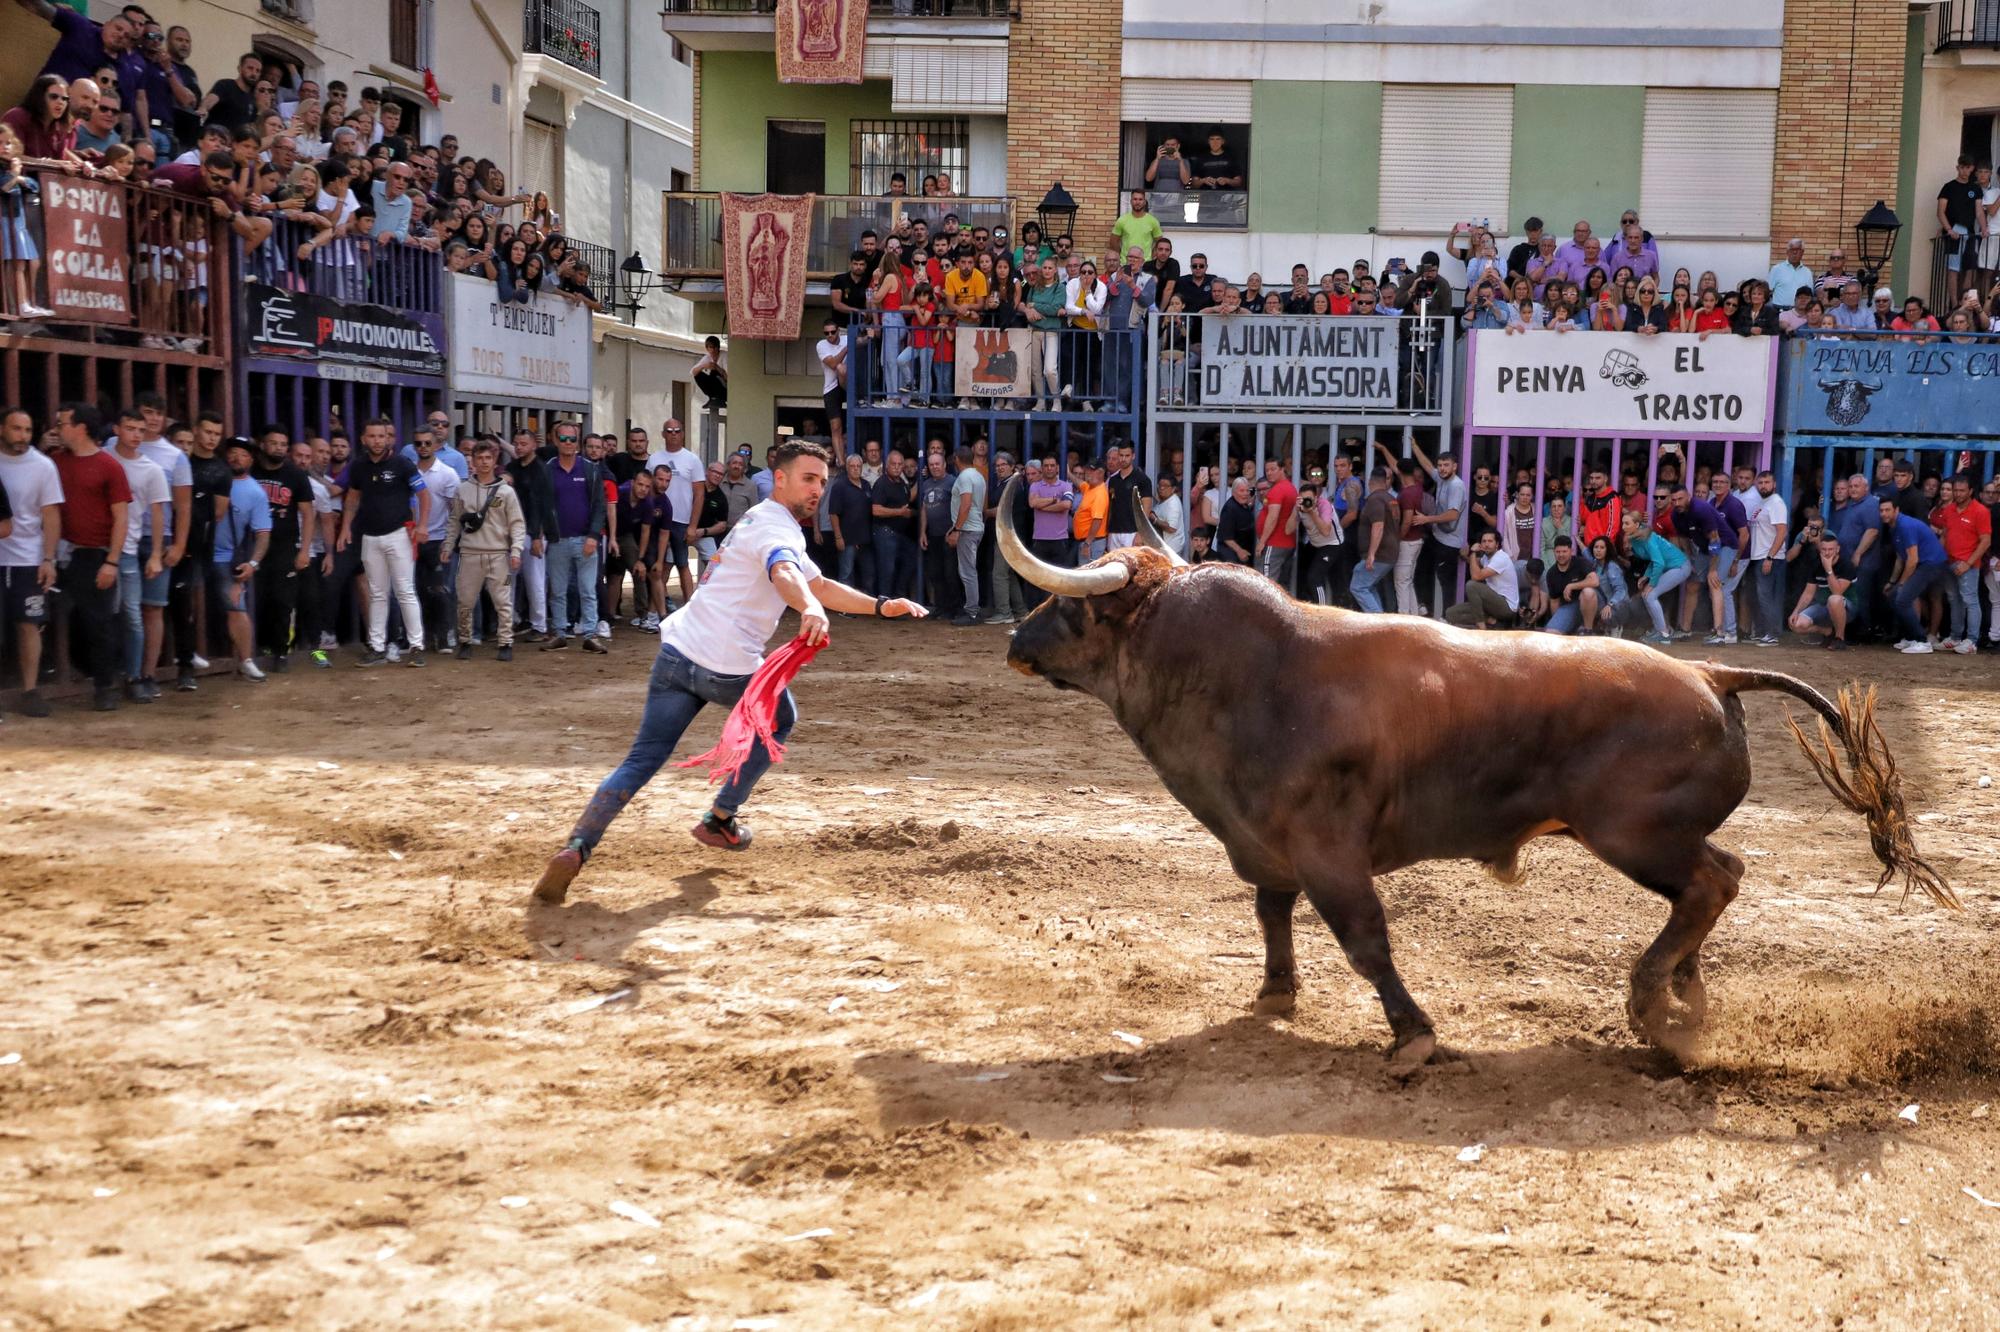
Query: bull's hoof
[[1657, 1021], [1413, 1051], [1693, 995], [1275, 1003]]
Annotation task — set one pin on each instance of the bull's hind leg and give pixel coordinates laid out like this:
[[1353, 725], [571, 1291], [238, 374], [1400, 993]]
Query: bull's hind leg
[[1700, 883], [1348, 904], [1280, 994]]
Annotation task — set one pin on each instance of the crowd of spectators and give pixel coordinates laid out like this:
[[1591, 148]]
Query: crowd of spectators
[[336, 175]]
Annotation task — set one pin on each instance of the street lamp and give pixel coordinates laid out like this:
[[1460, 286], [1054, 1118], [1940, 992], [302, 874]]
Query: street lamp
[[1875, 240], [1056, 212], [635, 283]]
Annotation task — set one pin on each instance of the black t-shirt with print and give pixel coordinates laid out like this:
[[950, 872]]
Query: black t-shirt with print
[[211, 478], [385, 489], [286, 487], [1961, 204], [853, 291]]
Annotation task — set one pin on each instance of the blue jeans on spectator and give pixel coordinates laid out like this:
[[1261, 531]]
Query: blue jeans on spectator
[[1117, 369], [675, 692], [892, 351], [1768, 593], [133, 614], [1364, 582], [566, 559], [1669, 580], [944, 378], [895, 563], [1909, 594], [1565, 619], [857, 567], [1961, 594], [1728, 572]]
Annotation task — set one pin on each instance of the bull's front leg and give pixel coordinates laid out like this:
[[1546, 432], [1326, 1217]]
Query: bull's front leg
[[1281, 970]]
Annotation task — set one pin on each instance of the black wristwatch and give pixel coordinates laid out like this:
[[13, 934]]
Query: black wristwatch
[[880, 602]]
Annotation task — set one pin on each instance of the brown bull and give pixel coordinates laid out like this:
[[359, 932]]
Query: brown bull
[[1398, 740]]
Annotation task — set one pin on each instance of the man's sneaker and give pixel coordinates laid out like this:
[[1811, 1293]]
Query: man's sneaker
[[506, 652], [464, 652], [563, 867], [105, 700], [1903, 644], [594, 645], [1766, 640], [395, 652], [1717, 640], [1916, 649], [320, 660], [135, 690], [603, 629], [415, 657], [556, 644], [1657, 640], [152, 688], [727, 833], [451, 639], [328, 642], [1966, 648], [964, 621], [638, 622], [370, 657], [1836, 645], [1001, 619], [185, 682], [198, 661], [1947, 645], [250, 671], [651, 624], [33, 704], [281, 664]]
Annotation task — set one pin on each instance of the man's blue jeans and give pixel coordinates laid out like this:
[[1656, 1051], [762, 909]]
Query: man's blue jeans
[[1564, 619], [1365, 581], [1909, 594], [895, 563], [131, 579], [1768, 588], [566, 557], [1728, 571], [1961, 594], [856, 567], [675, 692]]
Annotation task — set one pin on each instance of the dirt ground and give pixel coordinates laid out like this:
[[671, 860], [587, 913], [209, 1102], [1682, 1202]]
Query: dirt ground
[[963, 1042]]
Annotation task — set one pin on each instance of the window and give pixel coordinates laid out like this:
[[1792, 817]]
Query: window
[[1447, 155], [680, 52], [1707, 164], [1188, 142], [404, 46], [542, 161], [917, 148]]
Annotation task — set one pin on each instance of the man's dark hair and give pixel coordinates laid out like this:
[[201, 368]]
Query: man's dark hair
[[150, 399], [88, 416], [378, 421], [1379, 473], [784, 452], [272, 428], [1965, 159], [1562, 541], [210, 417], [245, 134], [856, 256], [129, 414], [219, 161], [869, 233], [1532, 224]]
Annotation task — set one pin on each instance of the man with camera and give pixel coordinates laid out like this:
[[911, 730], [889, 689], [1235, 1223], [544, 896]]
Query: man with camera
[[488, 532], [1167, 158]]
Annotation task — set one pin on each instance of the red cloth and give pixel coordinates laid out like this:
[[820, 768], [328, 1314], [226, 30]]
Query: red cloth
[[755, 716]]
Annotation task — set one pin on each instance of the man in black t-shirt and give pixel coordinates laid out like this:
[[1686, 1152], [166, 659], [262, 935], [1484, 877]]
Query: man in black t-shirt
[[1198, 290], [289, 491], [1958, 217], [895, 515], [850, 289], [1129, 487], [1166, 270], [943, 592], [1571, 583], [1824, 605], [851, 507], [380, 483], [1216, 169], [233, 102]]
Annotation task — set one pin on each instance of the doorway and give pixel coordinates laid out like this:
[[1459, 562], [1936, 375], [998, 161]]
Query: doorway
[[795, 156]]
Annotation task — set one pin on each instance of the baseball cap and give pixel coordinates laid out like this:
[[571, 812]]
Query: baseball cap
[[1884, 294]]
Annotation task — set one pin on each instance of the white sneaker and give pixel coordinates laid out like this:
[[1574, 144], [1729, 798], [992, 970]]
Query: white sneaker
[[650, 624], [327, 642], [1903, 644], [198, 661], [1916, 649], [251, 671], [638, 622], [1947, 645], [1966, 648], [395, 653], [603, 629]]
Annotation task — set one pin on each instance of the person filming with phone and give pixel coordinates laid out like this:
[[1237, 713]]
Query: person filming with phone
[[1167, 161]]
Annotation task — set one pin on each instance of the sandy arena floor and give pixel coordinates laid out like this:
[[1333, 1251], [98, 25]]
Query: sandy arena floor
[[964, 1042]]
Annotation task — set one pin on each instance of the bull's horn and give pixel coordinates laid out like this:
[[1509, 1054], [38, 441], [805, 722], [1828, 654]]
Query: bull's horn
[[1148, 535], [1095, 581]]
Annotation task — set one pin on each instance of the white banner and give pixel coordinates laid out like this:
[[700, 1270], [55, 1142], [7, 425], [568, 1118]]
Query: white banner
[[1297, 361], [1672, 384], [539, 351]]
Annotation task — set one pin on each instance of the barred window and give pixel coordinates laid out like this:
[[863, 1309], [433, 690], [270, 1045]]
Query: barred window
[[917, 148]]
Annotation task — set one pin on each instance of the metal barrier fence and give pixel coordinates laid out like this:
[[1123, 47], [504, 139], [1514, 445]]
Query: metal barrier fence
[[373, 272]]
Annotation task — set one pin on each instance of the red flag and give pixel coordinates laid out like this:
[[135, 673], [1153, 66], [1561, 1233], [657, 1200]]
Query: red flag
[[431, 87], [755, 716]]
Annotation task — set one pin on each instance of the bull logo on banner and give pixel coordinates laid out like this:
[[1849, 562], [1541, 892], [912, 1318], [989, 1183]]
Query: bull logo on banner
[[991, 363], [764, 241], [1847, 400], [820, 41]]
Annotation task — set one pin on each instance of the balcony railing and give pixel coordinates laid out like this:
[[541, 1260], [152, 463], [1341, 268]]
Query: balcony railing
[[402, 277], [564, 29], [1222, 209], [945, 9], [694, 227], [1963, 23], [896, 364], [603, 261]]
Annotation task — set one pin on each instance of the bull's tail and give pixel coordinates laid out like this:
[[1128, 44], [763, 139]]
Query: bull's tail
[[1867, 783]]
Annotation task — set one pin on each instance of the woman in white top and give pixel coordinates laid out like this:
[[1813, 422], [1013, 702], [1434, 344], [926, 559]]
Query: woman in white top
[[1170, 514], [1083, 302]]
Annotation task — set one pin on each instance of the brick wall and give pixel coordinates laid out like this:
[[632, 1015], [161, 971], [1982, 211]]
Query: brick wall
[[1063, 75], [1840, 108]]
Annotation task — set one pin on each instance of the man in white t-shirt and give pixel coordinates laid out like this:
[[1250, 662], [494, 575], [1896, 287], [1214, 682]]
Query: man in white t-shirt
[[181, 571], [714, 643], [34, 496], [684, 495], [142, 565], [832, 352], [1492, 589], [1767, 560]]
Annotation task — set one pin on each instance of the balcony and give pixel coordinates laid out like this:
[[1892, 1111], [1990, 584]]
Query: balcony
[[563, 30], [692, 253], [746, 25], [1968, 25]]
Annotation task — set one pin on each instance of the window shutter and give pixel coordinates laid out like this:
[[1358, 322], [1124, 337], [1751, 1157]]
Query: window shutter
[[541, 160], [1222, 101], [959, 78], [1708, 158], [1447, 156]]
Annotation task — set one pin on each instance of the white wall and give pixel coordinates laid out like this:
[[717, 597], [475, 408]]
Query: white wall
[[986, 146]]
